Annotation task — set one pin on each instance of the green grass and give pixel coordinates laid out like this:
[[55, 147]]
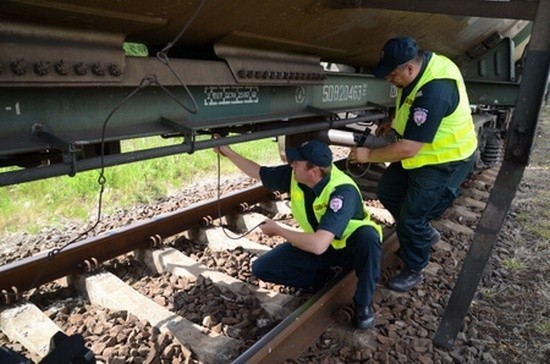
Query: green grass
[[543, 328], [538, 205], [51, 202], [487, 293], [513, 264]]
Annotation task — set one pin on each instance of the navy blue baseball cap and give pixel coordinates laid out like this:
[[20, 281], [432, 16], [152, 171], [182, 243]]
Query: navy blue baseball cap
[[314, 151], [396, 52]]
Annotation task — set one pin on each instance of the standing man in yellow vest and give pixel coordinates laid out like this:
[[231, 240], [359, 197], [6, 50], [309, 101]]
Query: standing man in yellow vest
[[432, 158], [337, 229]]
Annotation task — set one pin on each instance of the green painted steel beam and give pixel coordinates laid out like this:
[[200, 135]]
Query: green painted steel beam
[[37, 120], [492, 93], [76, 115]]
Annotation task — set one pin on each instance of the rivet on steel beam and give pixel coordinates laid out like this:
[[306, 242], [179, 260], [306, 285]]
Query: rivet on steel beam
[[243, 206], [95, 263], [343, 315], [98, 70], [156, 240], [80, 69], [19, 67], [41, 68], [88, 266], [114, 70], [250, 74], [517, 151], [241, 73], [207, 221], [61, 68], [15, 292], [6, 297]]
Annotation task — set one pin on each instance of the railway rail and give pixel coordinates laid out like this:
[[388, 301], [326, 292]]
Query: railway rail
[[175, 288]]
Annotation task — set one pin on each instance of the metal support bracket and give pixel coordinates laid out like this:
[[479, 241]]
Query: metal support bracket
[[320, 112], [520, 141], [70, 149], [41, 131], [188, 131]]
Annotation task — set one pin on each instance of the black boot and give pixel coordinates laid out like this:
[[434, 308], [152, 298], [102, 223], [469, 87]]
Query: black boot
[[364, 317], [405, 280], [435, 236]]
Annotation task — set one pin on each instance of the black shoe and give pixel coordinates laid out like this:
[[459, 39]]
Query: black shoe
[[435, 236], [405, 280], [364, 317]]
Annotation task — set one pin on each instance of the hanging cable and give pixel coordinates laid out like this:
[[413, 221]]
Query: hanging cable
[[148, 80], [162, 56], [357, 170], [218, 198], [361, 171]]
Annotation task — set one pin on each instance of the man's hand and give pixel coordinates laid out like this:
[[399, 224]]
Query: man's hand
[[316, 243], [270, 228], [222, 149], [383, 128]]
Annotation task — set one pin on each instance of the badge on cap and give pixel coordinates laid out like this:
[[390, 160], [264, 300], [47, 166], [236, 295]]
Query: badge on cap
[[420, 116], [336, 203]]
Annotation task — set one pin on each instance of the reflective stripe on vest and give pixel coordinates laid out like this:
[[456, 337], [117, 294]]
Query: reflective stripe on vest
[[320, 204], [456, 137]]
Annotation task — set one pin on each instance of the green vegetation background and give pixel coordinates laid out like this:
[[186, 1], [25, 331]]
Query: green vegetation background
[[34, 205]]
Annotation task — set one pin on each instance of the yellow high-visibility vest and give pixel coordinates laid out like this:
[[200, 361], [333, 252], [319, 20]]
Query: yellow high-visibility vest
[[456, 138], [320, 204]]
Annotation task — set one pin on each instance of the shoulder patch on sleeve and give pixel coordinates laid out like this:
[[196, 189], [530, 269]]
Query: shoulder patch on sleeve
[[420, 115], [336, 203]]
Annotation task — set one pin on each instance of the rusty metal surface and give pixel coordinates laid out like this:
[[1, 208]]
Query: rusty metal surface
[[520, 141], [288, 340], [299, 331], [31, 272], [512, 9], [37, 52], [325, 28]]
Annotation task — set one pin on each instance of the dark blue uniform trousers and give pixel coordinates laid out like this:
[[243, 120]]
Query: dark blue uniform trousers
[[416, 196], [288, 265]]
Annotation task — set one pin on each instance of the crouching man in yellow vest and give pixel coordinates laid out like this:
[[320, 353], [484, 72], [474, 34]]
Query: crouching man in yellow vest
[[434, 155], [337, 230]]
